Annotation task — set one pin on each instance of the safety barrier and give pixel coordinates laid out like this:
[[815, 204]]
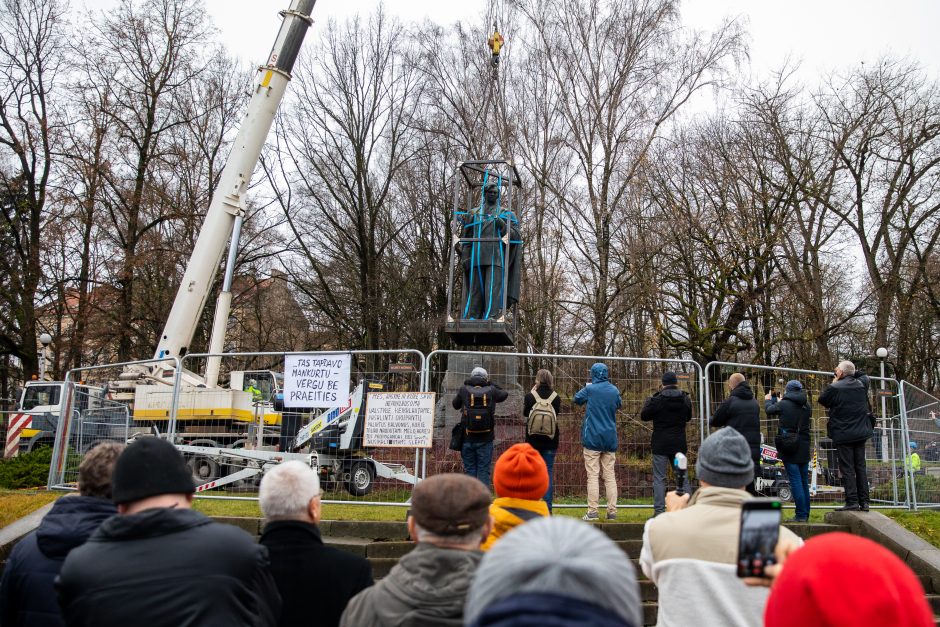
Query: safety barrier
[[636, 378], [231, 433], [95, 407], [921, 455], [885, 470]]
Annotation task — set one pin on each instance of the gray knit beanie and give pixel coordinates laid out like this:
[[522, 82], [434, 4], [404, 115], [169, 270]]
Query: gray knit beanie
[[559, 556], [478, 372], [724, 460]]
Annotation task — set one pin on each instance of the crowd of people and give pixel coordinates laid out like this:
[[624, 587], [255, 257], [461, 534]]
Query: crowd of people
[[850, 425], [130, 548]]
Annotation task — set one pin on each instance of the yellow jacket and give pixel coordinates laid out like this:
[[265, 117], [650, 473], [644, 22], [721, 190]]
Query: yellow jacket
[[509, 512]]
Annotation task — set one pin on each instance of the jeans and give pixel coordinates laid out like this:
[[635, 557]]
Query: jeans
[[477, 458], [854, 472], [595, 463], [660, 465], [799, 485], [549, 457]]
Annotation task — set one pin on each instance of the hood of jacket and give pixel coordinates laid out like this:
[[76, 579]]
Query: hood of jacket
[[477, 380], [743, 391], [70, 522], [671, 391], [149, 523], [799, 398], [599, 373], [429, 582]]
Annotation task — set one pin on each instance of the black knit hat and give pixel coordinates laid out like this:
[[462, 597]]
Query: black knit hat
[[149, 467], [670, 378]]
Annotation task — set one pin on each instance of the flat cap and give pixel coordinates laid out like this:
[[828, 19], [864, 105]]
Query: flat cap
[[450, 504]]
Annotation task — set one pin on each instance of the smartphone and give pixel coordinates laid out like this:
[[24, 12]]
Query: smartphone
[[760, 526]]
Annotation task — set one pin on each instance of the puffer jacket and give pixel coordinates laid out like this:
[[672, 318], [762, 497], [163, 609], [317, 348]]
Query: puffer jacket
[[741, 412], [508, 513], [599, 431], [426, 588], [670, 410], [168, 567], [27, 591], [793, 411], [848, 405]]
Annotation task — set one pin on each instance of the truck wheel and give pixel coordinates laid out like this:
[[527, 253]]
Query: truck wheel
[[784, 493], [204, 468], [361, 476]]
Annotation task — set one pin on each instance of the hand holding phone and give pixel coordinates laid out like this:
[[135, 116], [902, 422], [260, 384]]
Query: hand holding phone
[[760, 528]]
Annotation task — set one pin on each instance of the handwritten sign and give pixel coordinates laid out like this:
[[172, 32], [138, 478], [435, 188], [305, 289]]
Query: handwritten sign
[[399, 419], [316, 380]]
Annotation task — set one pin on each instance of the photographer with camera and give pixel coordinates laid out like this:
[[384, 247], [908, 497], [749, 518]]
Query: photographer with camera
[[792, 441]]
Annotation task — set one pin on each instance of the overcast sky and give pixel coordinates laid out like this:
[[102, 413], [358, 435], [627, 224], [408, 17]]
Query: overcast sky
[[821, 34]]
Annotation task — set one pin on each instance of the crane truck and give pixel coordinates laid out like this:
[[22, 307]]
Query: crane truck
[[224, 453]]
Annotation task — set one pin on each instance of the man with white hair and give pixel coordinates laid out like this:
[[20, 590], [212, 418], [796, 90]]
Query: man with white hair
[[476, 401], [850, 425], [315, 581]]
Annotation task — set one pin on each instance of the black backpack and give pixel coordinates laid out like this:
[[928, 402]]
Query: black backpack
[[478, 410]]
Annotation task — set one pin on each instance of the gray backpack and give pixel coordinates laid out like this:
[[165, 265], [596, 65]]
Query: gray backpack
[[542, 418]]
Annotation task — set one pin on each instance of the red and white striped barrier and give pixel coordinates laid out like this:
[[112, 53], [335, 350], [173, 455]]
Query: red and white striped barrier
[[18, 422]]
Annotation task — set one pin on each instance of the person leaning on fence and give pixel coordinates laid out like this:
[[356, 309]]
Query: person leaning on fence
[[552, 572], [670, 410], [27, 591], [690, 552], [795, 418], [449, 519], [599, 438], [161, 563], [540, 408], [520, 481], [851, 423], [476, 401], [741, 412], [308, 573]]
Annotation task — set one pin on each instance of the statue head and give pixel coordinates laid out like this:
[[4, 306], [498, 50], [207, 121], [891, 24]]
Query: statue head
[[491, 192]]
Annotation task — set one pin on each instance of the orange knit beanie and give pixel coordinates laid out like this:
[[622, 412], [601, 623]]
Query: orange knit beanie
[[521, 473]]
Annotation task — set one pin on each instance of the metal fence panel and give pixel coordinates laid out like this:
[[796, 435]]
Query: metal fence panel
[[95, 406], [231, 433], [636, 378], [921, 454], [883, 452]]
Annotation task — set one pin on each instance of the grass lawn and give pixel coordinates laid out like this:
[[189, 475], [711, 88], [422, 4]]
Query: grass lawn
[[14, 504], [925, 523], [17, 503]]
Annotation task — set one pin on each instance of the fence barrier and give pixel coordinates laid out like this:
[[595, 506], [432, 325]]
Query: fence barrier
[[230, 434], [921, 456], [95, 406]]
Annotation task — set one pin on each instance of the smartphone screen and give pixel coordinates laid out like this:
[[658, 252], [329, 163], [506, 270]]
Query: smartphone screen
[[760, 526]]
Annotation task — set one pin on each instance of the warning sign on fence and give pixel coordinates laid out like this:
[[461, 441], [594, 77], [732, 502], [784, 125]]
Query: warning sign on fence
[[399, 419], [316, 380]]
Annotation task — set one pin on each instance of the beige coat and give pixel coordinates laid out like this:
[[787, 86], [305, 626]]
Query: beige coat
[[690, 555]]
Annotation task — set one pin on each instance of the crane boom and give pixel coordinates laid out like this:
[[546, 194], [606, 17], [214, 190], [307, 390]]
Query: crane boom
[[228, 200]]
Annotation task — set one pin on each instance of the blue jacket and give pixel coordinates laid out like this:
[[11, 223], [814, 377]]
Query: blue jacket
[[27, 594], [599, 431]]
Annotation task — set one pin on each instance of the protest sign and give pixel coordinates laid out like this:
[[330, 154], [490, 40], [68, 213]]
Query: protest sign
[[316, 380], [399, 419]]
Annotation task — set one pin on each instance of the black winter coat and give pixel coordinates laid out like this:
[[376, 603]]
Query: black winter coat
[[847, 402], [741, 412], [167, 567], [27, 593], [315, 581], [541, 442], [463, 398], [670, 410], [793, 411]]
